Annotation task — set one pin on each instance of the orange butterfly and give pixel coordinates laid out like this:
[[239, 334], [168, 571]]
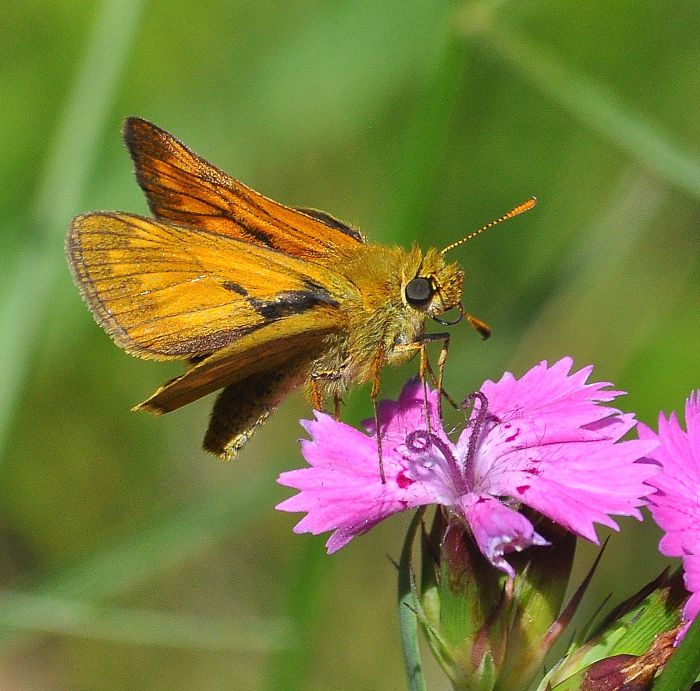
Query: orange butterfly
[[259, 297]]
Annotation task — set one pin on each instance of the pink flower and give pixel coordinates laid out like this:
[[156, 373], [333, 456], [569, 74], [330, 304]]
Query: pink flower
[[542, 440], [676, 504]]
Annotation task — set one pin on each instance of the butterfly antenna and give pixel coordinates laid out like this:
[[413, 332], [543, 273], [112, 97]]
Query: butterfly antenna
[[520, 209]]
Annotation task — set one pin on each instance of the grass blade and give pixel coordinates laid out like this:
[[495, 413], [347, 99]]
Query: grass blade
[[172, 540], [596, 107], [36, 267], [40, 614]]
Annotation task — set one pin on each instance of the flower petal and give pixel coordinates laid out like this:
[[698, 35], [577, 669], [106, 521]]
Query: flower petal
[[691, 576], [497, 529], [399, 418], [676, 504], [552, 446], [342, 490]]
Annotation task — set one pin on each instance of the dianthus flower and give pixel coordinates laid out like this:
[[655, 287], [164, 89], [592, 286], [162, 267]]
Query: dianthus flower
[[676, 504], [544, 441]]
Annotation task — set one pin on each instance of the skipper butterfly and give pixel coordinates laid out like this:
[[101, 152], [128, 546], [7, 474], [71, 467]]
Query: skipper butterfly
[[258, 297]]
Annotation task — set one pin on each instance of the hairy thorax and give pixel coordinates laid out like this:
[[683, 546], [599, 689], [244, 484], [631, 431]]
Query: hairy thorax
[[378, 323]]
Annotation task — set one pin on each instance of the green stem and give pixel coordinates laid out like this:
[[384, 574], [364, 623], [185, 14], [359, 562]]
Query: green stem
[[408, 622]]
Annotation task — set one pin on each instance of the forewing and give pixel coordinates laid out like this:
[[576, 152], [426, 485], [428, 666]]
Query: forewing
[[184, 188], [165, 291]]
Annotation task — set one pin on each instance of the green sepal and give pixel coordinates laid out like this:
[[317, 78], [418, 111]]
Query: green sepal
[[461, 594], [538, 592]]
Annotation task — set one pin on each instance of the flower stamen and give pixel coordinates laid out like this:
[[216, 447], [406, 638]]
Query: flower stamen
[[420, 441], [477, 425]]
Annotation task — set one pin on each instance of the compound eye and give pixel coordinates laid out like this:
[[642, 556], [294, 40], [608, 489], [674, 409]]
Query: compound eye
[[419, 292]]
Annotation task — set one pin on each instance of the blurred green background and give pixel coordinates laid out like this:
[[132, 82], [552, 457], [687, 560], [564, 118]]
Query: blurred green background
[[131, 560]]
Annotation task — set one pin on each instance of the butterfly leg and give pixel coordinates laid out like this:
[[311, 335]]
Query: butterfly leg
[[337, 401], [442, 359], [374, 394], [317, 389], [423, 371], [316, 396], [426, 369]]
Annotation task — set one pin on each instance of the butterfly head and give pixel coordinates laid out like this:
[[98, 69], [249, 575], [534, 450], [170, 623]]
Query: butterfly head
[[435, 287]]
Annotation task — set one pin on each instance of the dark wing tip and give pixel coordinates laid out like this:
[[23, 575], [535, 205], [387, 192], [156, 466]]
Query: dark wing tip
[[136, 132], [143, 137], [135, 126], [146, 143]]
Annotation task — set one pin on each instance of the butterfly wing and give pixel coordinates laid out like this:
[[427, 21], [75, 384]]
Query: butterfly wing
[[164, 291], [242, 407], [296, 340], [182, 187]]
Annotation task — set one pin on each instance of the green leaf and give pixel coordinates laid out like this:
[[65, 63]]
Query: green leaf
[[630, 633]]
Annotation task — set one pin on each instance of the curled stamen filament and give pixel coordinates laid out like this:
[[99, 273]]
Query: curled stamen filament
[[477, 425], [420, 441]]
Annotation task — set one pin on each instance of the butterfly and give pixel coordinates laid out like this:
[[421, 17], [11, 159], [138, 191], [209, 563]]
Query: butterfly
[[258, 297]]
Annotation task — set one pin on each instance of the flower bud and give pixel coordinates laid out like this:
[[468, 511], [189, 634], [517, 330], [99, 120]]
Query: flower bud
[[485, 629]]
